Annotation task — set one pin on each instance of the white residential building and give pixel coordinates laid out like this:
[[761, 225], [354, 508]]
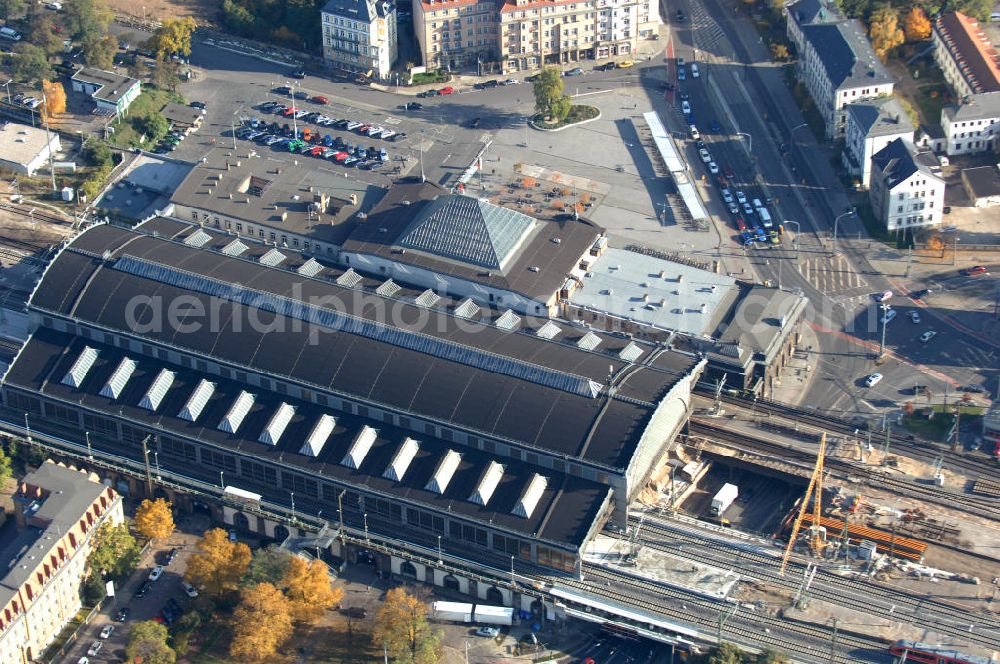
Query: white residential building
[[360, 36], [973, 126], [906, 190], [57, 511], [871, 125], [836, 61]]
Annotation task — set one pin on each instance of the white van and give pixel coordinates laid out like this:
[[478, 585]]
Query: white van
[[765, 217], [694, 70], [10, 33], [757, 204], [994, 17], [695, 134]]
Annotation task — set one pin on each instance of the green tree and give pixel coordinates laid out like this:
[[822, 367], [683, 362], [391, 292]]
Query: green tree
[[100, 51], [88, 19], [115, 551], [548, 88], [6, 472], [147, 643], [978, 8], [884, 30], [12, 8], [268, 565], [32, 64], [173, 37], [165, 75], [726, 653], [41, 32], [137, 68], [401, 627], [855, 8], [154, 126], [97, 153], [561, 108], [768, 656], [91, 187]]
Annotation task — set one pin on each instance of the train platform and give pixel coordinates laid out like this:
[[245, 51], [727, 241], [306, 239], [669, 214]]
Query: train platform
[[656, 566]]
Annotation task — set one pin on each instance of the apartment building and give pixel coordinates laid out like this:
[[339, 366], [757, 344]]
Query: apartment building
[[458, 34], [57, 511], [360, 36], [973, 126], [535, 34], [836, 62], [965, 55], [906, 190], [871, 125]]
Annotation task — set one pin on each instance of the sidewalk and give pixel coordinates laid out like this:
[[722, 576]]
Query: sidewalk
[[793, 383]]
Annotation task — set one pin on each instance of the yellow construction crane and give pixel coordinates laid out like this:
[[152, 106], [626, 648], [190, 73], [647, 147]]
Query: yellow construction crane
[[814, 491]]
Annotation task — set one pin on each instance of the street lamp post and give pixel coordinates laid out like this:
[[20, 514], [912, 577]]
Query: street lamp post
[[885, 323], [366, 526], [954, 251], [749, 140], [512, 569], [156, 460], [292, 493], [7, 85], [90, 451], [222, 480], [836, 225], [440, 559]]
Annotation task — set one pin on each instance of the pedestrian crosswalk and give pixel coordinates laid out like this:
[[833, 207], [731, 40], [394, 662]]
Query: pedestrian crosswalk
[[834, 276], [966, 355]]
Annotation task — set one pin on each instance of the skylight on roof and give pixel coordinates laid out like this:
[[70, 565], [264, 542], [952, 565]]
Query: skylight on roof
[[359, 448], [234, 418], [154, 395], [401, 460], [196, 402], [234, 248], [508, 320], [116, 383], [272, 258], [317, 438], [276, 426], [548, 331], [310, 268], [197, 239], [487, 484], [388, 289], [467, 309], [443, 473], [631, 352], [74, 377], [349, 279], [589, 341], [427, 299], [528, 501]]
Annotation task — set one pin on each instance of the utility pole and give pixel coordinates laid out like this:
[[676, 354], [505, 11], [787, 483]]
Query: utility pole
[[48, 140], [909, 260], [340, 509], [885, 324], [149, 471], [833, 642], [885, 447]]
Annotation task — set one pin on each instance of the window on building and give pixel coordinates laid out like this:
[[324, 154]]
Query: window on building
[[258, 472], [218, 460], [298, 483], [178, 449], [102, 426]]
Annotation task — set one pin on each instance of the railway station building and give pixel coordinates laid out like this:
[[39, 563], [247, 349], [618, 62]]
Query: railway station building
[[366, 405]]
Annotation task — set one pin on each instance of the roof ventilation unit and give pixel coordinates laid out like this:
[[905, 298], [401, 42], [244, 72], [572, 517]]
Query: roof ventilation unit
[[318, 436], [443, 473], [197, 239], [310, 268], [528, 501], [74, 377], [154, 395], [234, 418], [234, 248], [359, 448], [631, 352], [589, 341], [508, 320], [467, 309], [197, 401], [548, 331], [388, 289], [277, 424], [116, 383], [272, 258], [401, 460], [349, 279], [487, 484], [427, 299]]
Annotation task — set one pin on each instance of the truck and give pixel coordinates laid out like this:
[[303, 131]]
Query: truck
[[485, 614], [460, 612], [724, 498]]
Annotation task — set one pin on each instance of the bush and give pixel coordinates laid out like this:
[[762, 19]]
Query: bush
[[98, 154], [436, 76], [93, 590]]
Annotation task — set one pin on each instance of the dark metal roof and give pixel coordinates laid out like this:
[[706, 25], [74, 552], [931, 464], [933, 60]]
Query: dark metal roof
[[846, 54], [566, 511], [537, 269], [423, 382], [898, 160]]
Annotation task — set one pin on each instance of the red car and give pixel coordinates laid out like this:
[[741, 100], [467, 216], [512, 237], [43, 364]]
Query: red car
[[729, 172], [316, 151], [340, 156], [447, 90], [290, 111], [320, 99], [976, 270], [363, 129], [740, 224]]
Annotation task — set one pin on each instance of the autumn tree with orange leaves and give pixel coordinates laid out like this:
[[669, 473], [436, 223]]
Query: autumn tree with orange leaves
[[55, 98], [916, 25], [219, 564], [262, 623], [309, 589]]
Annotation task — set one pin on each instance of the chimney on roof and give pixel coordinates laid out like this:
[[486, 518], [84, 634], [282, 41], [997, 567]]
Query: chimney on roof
[[228, 166], [284, 216], [230, 195], [238, 164], [209, 191], [277, 171]]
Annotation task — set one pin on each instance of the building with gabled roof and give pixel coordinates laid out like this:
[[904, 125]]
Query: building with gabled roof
[[836, 61], [57, 511], [966, 57], [297, 384], [871, 125], [467, 247], [360, 36], [973, 125], [907, 191]]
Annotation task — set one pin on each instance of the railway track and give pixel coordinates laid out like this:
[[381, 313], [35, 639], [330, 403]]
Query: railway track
[[924, 451], [807, 642], [39, 214], [984, 507], [933, 615]]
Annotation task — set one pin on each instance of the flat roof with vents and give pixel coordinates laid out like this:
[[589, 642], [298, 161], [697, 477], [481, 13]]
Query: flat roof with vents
[[241, 406], [318, 435], [444, 471], [196, 402], [277, 424], [74, 377], [157, 390], [22, 145], [360, 448], [116, 383], [487, 484], [401, 460]]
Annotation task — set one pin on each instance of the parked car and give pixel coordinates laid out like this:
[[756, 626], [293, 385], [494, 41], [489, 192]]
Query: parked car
[[626, 64], [705, 156], [491, 632], [122, 614], [887, 317], [916, 295], [143, 589], [95, 648], [155, 573], [320, 99], [686, 108], [413, 106], [172, 555], [873, 379], [447, 90], [509, 81], [298, 73], [915, 316], [713, 168], [575, 71], [198, 104], [927, 336], [975, 271], [107, 631]]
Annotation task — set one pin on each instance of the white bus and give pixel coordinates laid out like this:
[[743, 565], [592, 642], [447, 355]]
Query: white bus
[[765, 217]]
